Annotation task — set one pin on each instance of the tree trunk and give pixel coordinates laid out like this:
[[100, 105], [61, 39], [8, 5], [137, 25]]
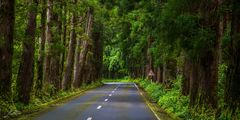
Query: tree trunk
[[79, 69], [232, 89], [49, 37], [210, 57], [83, 55], [98, 52], [52, 62], [186, 76], [7, 19], [70, 58], [26, 69], [40, 62], [64, 37], [194, 84]]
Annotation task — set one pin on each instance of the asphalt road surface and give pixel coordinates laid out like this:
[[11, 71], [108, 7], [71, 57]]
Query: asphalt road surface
[[113, 101]]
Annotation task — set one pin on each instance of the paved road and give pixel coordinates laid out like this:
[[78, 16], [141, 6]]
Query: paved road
[[113, 101]]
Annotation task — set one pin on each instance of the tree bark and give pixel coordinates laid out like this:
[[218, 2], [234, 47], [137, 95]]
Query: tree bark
[[210, 57], [186, 76], [40, 62], [194, 84], [7, 19], [53, 37], [64, 37], [70, 58], [83, 55], [232, 89], [26, 69], [49, 37], [98, 52]]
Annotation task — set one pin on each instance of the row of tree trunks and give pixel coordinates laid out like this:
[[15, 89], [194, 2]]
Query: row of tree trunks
[[84, 61], [7, 18], [26, 75]]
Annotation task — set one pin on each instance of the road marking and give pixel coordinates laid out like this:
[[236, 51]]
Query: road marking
[[110, 94], [113, 91], [116, 87], [99, 107], [147, 103], [106, 100], [90, 118]]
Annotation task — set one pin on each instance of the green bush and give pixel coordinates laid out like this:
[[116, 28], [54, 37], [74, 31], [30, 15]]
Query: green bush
[[155, 91], [172, 101]]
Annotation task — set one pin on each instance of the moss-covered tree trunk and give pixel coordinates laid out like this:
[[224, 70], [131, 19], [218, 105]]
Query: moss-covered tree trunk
[[53, 37], [67, 80], [40, 61], [26, 69], [7, 19], [84, 51], [64, 37]]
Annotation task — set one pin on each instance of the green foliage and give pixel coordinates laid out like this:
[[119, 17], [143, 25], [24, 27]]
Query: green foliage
[[151, 88], [173, 102]]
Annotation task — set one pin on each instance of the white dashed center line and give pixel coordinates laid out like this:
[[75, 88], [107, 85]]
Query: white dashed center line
[[113, 91], [99, 107], [110, 94], [90, 118], [106, 100]]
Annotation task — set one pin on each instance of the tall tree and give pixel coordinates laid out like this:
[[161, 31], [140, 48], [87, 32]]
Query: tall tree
[[53, 37], [40, 62], [83, 55], [67, 80], [26, 75], [7, 18], [232, 89]]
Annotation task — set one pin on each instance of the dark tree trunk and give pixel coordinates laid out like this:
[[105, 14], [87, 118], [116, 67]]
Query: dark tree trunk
[[159, 74], [98, 52], [40, 62], [58, 13], [7, 18], [67, 81], [26, 69], [210, 57], [186, 76], [194, 84], [232, 89]]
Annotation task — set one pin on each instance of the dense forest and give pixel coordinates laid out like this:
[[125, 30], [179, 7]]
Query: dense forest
[[48, 47]]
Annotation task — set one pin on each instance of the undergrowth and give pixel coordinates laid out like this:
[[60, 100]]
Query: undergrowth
[[44, 100], [176, 104]]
